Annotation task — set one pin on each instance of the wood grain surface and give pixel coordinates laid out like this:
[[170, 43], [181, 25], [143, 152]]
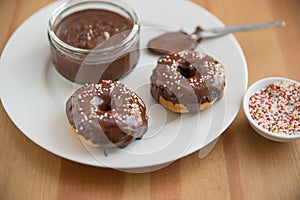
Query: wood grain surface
[[242, 165]]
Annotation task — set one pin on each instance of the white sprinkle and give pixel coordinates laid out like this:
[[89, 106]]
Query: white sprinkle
[[106, 35]]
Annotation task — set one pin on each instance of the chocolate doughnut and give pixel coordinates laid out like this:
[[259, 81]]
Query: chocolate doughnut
[[187, 81], [107, 115]]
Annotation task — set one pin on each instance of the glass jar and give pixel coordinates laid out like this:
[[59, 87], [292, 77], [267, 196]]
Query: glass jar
[[110, 59]]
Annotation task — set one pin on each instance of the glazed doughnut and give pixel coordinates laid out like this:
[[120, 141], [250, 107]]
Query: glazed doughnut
[[187, 81], [107, 115]]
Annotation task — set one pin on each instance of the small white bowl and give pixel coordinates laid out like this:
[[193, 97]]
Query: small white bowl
[[255, 87]]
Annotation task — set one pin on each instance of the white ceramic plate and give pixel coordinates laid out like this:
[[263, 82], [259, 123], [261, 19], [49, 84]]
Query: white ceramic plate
[[34, 94]]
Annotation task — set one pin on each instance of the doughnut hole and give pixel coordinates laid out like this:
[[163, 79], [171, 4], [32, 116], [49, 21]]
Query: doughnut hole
[[186, 69], [103, 104], [105, 107]]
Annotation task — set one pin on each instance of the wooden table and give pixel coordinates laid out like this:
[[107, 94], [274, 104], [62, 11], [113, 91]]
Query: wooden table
[[242, 165]]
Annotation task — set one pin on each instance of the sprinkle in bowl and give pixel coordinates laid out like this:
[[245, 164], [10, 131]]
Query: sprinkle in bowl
[[272, 107]]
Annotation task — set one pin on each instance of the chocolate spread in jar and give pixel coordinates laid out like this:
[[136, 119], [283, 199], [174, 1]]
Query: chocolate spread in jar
[[94, 30]]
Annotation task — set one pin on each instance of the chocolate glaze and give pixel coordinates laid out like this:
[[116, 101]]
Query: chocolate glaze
[[108, 114], [174, 42], [94, 29], [87, 28], [188, 78]]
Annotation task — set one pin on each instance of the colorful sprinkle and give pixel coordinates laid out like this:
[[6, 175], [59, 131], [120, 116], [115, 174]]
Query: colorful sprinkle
[[276, 108]]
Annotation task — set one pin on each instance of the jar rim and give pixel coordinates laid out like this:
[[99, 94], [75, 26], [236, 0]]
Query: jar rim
[[73, 3]]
